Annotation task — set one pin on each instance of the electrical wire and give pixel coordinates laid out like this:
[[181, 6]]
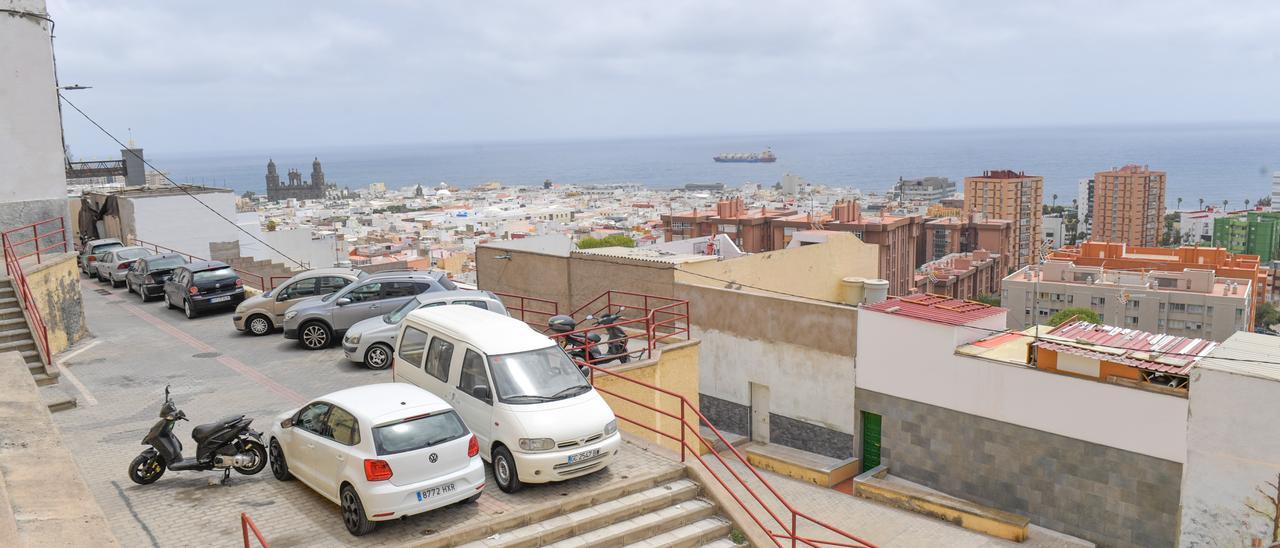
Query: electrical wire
[[176, 185], [987, 329]]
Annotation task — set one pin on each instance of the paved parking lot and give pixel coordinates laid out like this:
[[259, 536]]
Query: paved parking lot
[[216, 371]]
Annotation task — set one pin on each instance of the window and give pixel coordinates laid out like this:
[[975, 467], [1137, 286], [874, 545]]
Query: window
[[1177, 324], [165, 262], [215, 274], [439, 356], [303, 288], [1098, 301], [126, 254], [1178, 307], [342, 427], [418, 433], [311, 418], [478, 304], [329, 284], [473, 374], [1195, 309], [412, 345], [366, 292], [1131, 320], [392, 290]]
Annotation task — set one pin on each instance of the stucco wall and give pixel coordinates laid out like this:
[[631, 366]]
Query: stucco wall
[[1232, 451], [154, 219], [592, 275], [1102, 494], [812, 271], [802, 350], [55, 283], [674, 369], [524, 273]]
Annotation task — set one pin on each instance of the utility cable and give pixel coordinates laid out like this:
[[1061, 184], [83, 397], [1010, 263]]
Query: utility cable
[[176, 185]]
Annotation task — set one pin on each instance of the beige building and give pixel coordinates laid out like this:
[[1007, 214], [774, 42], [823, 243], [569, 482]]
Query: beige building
[[1011, 195], [1128, 206], [1190, 303]]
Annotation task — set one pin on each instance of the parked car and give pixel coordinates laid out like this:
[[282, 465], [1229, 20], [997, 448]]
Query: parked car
[[317, 321], [203, 286], [261, 314], [379, 451], [370, 341], [113, 264], [147, 275], [93, 247], [536, 418]]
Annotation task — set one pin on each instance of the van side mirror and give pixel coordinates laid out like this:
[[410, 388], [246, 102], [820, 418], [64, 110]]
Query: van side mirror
[[344, 301], [482, 393]]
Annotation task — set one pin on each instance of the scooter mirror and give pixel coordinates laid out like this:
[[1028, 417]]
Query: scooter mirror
[[166, 392]]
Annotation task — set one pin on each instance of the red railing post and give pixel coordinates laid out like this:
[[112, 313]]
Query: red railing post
[[682, 427], [35, 236], [794, 533]]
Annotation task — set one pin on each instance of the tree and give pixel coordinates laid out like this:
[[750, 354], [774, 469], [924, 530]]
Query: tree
[[1055, 200], [988, 298], [1224, 204], [271, 225], [613, 240], [1269, 508], [1078, 313], [1201, 204], [1246, 203], [1179, 202], [1266, 315]]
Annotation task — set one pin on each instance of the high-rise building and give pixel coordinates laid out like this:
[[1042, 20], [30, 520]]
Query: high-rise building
[[1253, 233], [1014, 196], [1275, 191], [1128, 206]]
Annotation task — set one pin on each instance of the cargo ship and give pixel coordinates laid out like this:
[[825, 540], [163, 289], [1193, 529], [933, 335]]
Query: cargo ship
[[748, 157]]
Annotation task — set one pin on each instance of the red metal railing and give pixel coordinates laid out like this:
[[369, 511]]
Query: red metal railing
[[661, 319], [522, 305], [780, 526], [669, 316], [256, 281], [13, 264], [246, 525]]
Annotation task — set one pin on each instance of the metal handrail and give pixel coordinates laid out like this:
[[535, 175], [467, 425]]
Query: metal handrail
[[247, 524], [13, 264], [523, 306], [262, 280], [795, 516]]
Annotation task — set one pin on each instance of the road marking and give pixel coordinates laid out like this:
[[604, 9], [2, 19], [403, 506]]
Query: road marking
[[89, 400], [231, 363], [63, 358]]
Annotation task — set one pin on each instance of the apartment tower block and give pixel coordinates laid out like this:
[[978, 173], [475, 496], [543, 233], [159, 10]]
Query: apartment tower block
[[1128, 206], [1013, 196]]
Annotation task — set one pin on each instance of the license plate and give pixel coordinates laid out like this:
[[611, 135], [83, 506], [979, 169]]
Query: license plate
[[579, 457], [220, 299], [435, 491]]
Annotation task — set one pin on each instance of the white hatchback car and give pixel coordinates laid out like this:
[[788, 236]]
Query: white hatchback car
[[380, 451]]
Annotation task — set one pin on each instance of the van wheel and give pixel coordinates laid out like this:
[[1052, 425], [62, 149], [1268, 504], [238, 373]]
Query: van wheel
[[315, 336], [259, 325], [378, 357], [504, 470]]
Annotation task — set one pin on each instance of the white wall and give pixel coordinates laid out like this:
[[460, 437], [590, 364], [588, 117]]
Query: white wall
[[1233, 447], [30, 139], [300, 244], [916, 360], [178, 222]]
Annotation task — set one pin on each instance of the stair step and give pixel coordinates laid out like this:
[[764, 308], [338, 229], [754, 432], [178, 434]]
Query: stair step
[[8, 302], [644, 526], [9, 333], [721, 543], [693, 534], [32, 356], [9, 322], [57, 399], [595, 516], [44, 379], [35, 367], [20, 344]]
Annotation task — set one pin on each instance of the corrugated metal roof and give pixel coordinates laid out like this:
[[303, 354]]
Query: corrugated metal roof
[[1244, 353], [935, 308], [1157, 352]]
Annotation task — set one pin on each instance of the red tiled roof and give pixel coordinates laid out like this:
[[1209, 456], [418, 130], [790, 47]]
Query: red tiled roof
[[935, 308], [1149, 351]]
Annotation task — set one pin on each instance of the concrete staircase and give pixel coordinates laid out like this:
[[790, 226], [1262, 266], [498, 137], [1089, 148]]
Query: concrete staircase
[[16, 336], [667, 511]]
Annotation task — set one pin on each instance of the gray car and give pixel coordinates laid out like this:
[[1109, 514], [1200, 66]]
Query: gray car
[[89, 253], [317, 321], [370, 341]]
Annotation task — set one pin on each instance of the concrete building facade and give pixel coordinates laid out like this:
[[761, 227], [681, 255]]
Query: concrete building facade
[[1251, 232], [964, 276], [925, 189], [1014, 196], [1128, 206]]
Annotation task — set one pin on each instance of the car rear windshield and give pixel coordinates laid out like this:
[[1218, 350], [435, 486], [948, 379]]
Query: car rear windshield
[[446, 283], [215, 274], [418, 432], [166, 262], [106, 247], [132, 254]]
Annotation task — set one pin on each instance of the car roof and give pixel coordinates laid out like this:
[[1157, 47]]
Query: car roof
[[317, 272], [161, 256], [103, 241], [127, 247], [490, 332], [196, 266], [374, 404], [435, 275], [435, 296]]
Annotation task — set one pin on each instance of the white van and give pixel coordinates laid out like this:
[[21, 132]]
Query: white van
[[536, 417]]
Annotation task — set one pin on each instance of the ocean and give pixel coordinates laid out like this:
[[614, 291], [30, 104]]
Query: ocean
[[1216, 163]]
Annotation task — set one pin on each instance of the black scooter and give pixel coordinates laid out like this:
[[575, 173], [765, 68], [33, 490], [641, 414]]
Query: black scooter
[[588, 347], [224, 445]]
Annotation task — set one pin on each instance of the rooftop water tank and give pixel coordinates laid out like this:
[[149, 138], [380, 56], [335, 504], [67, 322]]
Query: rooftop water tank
[[853, 289], [875, 291]]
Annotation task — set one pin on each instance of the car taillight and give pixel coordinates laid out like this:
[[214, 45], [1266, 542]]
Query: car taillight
[[124, 266], [376, 470], [90, 259], [239, 282], [473, 446], [193, 290]]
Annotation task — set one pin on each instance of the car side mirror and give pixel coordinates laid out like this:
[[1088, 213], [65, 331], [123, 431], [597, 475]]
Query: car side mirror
[[282, 297], [481, 393], [344, 301], [287, 423]]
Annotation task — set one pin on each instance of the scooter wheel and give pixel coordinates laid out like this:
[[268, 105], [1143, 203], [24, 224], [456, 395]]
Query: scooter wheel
[[146, 469], [260, 457]]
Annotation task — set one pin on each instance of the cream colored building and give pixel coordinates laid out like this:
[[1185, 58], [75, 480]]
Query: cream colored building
[[1128, 206], [1014, 196], [1191, 303]]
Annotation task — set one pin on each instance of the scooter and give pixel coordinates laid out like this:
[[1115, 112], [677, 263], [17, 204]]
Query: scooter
[[588, 347], [617, 337], [224, 445]]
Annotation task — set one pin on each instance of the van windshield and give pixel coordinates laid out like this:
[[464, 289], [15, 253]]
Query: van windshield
[[536, 376]]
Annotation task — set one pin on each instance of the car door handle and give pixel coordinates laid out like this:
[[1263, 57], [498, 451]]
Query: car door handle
[[311, 446], [340, 457], [373, 307]]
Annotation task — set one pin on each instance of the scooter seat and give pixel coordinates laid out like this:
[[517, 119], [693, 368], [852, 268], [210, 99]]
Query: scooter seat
[[204, 431]]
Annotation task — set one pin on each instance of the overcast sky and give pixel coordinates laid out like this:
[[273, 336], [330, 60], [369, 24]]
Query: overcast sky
[[242, 76]]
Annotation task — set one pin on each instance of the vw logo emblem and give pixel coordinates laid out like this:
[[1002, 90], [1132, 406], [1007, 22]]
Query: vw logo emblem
[[433, 458]]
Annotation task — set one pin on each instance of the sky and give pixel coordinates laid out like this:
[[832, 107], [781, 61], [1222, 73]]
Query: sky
[[189, 77]]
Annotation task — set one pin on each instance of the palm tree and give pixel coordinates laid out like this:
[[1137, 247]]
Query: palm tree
[[1055, 201], [1201, 204], [1179, 203], [1224, 205], [1246, 203]]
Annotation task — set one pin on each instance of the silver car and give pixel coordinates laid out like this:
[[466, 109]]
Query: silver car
[[113, 265], [369, 341], [316, 321]]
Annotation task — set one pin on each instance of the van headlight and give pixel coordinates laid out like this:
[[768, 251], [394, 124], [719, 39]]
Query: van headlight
[[611, 427], [537, 444], [290, 315]]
